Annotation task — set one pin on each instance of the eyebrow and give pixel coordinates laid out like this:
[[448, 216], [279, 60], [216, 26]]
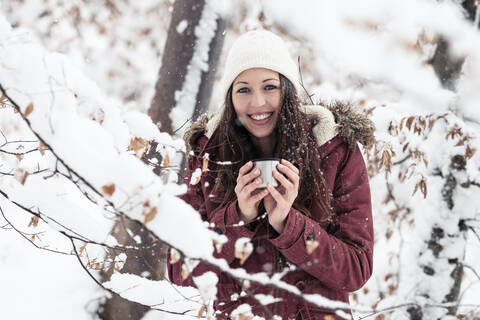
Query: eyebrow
[[244, 82]]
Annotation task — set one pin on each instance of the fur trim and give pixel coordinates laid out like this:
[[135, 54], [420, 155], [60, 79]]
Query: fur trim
[[332, 119], [353, 126], [196, 127]]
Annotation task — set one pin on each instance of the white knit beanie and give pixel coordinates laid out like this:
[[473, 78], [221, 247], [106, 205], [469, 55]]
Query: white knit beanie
[[259, 49]]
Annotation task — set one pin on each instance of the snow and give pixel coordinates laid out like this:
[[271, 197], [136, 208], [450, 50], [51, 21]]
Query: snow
[[182, 25], [90, 88]]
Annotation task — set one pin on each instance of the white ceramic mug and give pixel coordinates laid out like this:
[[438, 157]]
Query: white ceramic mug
[[266, 167]]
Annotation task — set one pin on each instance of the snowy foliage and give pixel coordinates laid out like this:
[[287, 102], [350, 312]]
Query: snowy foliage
[[73, 165]]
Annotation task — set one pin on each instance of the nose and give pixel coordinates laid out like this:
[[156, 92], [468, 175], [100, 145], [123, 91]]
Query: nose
[[258, 99]]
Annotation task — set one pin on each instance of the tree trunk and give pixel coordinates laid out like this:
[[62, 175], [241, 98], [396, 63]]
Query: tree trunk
[[177, 56], [448, 70]]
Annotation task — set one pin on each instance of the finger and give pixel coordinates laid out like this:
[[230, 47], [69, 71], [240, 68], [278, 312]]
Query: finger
[[259, 196], [287, 184], [249, 178], [249, 188], [290, 165], [245, 168], [275, 194], [291, 175]]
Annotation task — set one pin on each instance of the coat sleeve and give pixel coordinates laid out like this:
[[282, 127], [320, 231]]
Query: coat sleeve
[[225, 221], [343, 258]]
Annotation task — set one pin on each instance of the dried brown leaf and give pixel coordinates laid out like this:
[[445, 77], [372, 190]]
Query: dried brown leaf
[[201, 311], [166, 161], [150, 215], [423, 188], [82, 248], [108, 189], [469, 152], [392, 288], [41, 148], [389, 233], [243, 251], [218, 246], [409, 122], [205, 165], [139, 145], [34, 221], [311, 245], [28, 110], [21, 175]]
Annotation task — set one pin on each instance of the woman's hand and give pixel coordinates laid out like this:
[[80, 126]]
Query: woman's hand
[[247, 194], [279, 201]]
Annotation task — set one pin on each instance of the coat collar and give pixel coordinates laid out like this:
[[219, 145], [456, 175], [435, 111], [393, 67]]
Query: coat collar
[[333, 119]]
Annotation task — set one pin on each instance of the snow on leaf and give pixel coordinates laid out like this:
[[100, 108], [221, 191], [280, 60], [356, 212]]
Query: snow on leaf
[[108, 189], [242, 312], [174, 256], [138, 145], [207, 285], [218, 245], [243, 249], [185, 272], [246, 285], [196, 176]]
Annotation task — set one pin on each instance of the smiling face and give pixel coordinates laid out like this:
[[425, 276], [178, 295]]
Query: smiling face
[[257, 99]]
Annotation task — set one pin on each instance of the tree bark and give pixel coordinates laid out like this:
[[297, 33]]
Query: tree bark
[[448, 70], [178, 53], [176, 57]]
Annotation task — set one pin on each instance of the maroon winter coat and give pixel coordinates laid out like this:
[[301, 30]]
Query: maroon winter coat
[[341, 263]]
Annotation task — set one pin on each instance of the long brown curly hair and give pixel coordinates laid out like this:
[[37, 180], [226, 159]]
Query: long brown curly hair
[[293, 143]]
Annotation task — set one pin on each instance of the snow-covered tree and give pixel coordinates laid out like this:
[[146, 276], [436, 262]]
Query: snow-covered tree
[[71, 150]]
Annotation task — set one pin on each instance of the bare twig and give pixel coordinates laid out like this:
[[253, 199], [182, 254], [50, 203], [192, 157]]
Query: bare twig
[[29, 239], [301, 82]]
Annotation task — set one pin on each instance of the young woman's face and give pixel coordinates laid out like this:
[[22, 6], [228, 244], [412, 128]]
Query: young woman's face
[[257, 99]]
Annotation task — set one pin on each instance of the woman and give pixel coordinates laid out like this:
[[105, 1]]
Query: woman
[[318, 225]]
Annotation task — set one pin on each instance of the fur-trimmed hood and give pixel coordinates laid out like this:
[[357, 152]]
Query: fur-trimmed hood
[[333, 119]]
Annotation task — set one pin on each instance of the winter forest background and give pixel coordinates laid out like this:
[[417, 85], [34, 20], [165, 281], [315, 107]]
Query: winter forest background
[[88, 181]]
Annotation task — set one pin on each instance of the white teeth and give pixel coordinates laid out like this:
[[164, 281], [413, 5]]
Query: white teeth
[[260, 116]]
